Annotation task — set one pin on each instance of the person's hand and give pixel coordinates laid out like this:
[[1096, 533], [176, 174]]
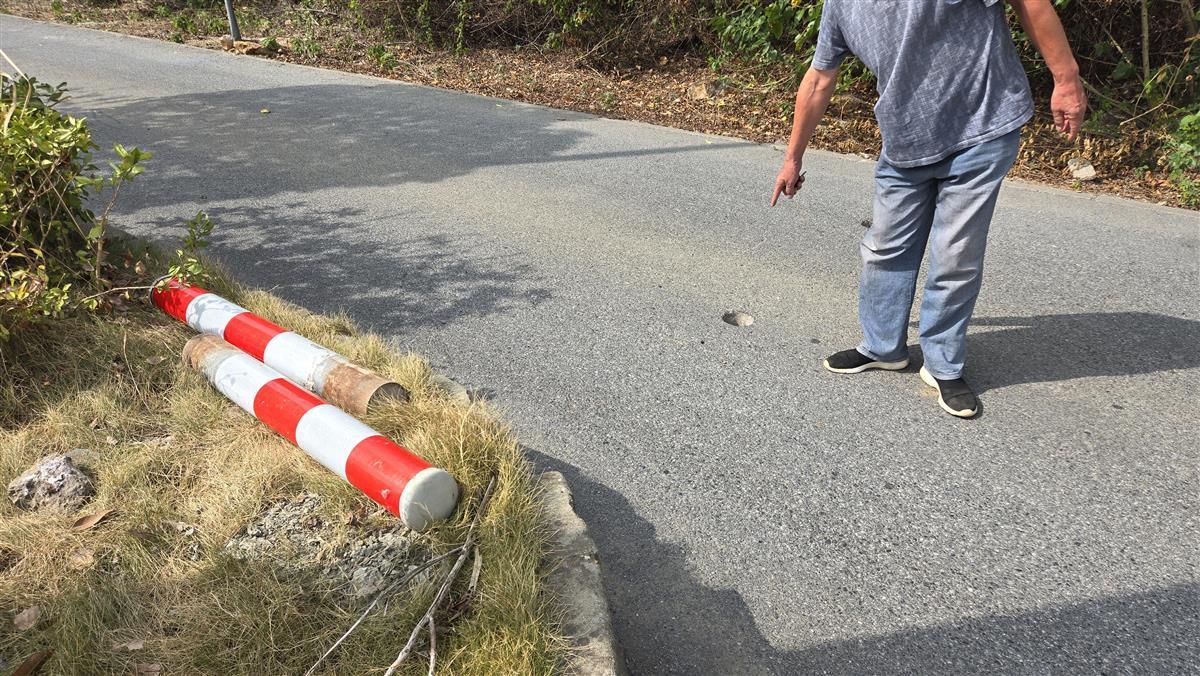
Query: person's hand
[[1068, 104], [788, 181]]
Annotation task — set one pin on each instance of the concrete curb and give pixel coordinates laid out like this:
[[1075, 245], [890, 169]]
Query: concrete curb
[[574, 583]]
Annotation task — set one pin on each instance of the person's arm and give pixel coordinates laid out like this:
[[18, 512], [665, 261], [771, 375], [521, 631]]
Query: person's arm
[[1068, 103], [816, 88]]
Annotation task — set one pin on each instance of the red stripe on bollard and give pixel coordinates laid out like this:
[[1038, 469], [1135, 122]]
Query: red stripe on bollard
[[380, 468], [280, 404], [174, 299], [295, 357], [405, 484], [251, 333]]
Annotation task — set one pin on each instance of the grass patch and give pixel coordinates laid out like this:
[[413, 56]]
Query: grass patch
[[165, 447]]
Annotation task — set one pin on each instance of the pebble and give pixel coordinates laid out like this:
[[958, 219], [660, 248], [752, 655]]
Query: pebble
[[738, 318], [366, 581]]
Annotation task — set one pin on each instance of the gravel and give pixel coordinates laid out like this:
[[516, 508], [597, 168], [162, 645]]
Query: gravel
[[295, 536]]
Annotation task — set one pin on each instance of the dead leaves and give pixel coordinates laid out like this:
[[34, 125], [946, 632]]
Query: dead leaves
[[130, 646], [248, 47], [33, 663], [89, 520]]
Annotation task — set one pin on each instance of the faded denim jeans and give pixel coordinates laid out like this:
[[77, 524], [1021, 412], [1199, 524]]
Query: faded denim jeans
[[948, 207]]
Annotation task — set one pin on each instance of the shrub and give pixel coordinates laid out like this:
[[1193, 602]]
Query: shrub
[[781, 31], [383, 57], [52, 245], [1183, 161]]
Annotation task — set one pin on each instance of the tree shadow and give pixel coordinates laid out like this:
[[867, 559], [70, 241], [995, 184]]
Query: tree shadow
[[430, 280], [1153, 632], [667, 622], [220, 145], [1051, 348]]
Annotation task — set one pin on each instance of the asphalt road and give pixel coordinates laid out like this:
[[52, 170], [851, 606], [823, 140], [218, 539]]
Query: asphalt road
[[754, 513]]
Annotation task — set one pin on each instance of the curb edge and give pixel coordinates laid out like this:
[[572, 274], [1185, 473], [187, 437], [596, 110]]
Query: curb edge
[[575, 586]]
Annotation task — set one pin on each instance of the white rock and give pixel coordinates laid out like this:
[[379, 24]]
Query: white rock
[[366, 581], [1081, 169], [54, 482]]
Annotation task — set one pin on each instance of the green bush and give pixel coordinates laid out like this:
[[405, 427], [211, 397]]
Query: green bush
[[780, 31], [52, 245], [1185, 145], [1184, 159], [383, 57]]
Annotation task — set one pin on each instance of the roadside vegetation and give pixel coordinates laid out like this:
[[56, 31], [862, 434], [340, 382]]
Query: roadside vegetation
[[721, 66], [144, 577]]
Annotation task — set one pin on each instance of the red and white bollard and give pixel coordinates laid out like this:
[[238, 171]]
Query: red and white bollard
[[389, 474], [304, 362]]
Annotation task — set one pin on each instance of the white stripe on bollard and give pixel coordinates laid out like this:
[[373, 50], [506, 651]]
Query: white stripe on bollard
[[386, 472], [304, 362]]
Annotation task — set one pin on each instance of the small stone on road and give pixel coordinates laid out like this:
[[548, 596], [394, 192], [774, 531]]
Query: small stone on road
[[738, 318]]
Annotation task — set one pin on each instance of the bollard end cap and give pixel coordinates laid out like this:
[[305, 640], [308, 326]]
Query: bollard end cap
[[429, 496]]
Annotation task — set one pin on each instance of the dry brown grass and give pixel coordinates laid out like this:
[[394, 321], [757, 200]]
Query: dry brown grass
[[165, 447]]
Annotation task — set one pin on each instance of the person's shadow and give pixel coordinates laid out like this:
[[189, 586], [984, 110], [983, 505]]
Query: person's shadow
[[1003, 351]]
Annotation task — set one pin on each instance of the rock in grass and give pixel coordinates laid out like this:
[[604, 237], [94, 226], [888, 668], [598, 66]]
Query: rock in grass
[[366, 581], [53, 483], [453, 390], [738, 318], [1081, 169]]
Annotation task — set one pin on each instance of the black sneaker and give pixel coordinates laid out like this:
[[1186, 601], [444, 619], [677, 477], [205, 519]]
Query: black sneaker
[[955, 396], [853, 361]]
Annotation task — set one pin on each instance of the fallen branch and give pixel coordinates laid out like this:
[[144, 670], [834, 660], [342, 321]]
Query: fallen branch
[[427, 619], [379, 597]]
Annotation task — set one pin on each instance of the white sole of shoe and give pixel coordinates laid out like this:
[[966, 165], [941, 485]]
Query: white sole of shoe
[[885, 365], [929, 380]]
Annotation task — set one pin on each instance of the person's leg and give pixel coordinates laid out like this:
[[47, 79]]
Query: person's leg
[[966, 199], [892, 251]]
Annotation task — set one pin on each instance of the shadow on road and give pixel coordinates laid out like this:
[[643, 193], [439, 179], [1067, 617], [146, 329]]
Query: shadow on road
[[665, 620], [668, 622], [219, 145], [1059, 347], [1147, 633], [424, 281]]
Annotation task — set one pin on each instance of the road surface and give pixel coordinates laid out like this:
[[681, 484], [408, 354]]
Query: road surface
[[754, 513]]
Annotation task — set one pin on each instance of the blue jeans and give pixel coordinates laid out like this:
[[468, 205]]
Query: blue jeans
[[948, 206]]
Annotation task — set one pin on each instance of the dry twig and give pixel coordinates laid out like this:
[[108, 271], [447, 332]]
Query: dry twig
[[379, 597], [427, 619]]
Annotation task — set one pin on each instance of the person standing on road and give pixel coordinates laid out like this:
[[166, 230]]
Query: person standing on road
[[953, 97]]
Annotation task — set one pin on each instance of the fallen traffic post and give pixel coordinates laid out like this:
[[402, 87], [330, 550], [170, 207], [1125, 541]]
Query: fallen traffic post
[[304, 362], [386, 472]]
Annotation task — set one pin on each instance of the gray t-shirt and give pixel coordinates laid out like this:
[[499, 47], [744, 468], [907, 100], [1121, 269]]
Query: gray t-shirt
[[949, 76]]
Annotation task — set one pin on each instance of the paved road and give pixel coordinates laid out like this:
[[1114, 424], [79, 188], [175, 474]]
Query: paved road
[[754, 513]]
